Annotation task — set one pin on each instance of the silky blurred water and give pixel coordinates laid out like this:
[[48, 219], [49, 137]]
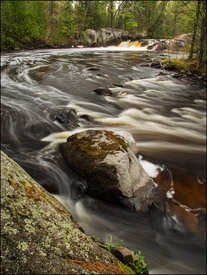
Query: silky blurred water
[[166, 116]]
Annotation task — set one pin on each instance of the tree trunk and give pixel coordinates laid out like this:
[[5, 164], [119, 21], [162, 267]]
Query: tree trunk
[[152, 28], [85, 16], [174, 23], [202, 43], [119, 22], [111, 13], [195, 26], [51, 16]]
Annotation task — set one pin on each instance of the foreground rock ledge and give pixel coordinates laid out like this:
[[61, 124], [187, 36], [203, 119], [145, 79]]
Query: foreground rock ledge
[[107, 161], [38, 235]]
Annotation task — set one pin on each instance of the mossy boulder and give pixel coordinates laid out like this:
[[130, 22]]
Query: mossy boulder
[[107, 162], [38, 235]]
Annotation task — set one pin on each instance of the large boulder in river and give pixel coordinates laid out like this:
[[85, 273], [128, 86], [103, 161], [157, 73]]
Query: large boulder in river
[[108, 163], [38, 235]]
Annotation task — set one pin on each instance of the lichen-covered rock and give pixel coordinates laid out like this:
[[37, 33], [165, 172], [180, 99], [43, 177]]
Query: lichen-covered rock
[[103, 36], [38, 235], [107, 162]]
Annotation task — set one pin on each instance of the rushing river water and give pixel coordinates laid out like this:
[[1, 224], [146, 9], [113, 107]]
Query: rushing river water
[[166, 116]]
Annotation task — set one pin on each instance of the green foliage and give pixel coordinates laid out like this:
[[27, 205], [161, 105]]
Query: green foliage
[[67, 24], [183, 64], [93, 239], [138, 266], [109, 246], [22, 22]]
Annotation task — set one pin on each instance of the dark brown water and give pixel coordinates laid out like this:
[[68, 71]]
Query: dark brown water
[[166, 117]]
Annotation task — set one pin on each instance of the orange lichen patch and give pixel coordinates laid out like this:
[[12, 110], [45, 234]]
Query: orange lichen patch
[[13, 184], [99, 267], [30, 193], [55, 207], [39, 192], [46, 199]]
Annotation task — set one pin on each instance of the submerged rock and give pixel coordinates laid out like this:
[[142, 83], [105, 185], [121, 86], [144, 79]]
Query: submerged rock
[[38, 235], [108, 163], [156, 63], [103, 91], [66, 116], [93, 69]]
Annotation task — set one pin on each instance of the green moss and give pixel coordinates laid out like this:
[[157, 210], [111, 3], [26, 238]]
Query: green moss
[[86, 145], [117, 139], [184, 64], [127, 269]]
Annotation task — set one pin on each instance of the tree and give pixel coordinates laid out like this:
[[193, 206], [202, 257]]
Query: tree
[[67, 25], [202, 42], [87, 4], [195, 26], [23, 23], [155, 27]]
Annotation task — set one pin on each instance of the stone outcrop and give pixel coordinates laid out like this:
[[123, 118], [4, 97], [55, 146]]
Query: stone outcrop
[[179, 42], [108, 163], [172, 44], [38, 235], [103, 37]]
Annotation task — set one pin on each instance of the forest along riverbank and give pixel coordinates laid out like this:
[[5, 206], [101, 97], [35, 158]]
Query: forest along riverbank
[[48, 95]]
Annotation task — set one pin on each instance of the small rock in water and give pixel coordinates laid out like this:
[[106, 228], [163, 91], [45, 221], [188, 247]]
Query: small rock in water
[[177, 75], [93, 69], [102, 75], [103, 91], [162, 73], [156, 63], [144, 65], [118, 85], [78, 188], [66, 116], [87, 118]]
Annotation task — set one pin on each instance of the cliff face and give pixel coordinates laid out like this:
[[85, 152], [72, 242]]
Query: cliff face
[[38, 234]]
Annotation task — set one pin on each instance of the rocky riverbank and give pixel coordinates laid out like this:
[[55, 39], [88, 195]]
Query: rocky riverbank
[[39, 235], [109, 37]]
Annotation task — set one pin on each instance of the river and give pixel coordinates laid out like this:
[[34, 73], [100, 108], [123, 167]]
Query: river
[[166, 116]]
